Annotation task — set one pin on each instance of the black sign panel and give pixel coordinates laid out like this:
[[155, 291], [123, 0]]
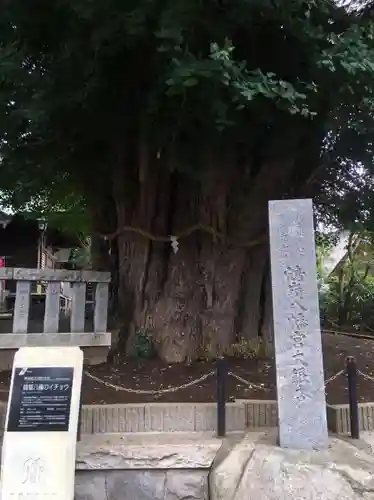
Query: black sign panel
[[40, 400]]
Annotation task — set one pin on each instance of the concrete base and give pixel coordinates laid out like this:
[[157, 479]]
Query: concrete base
[[255, 468], [177, 450], [142, 485], [144, 467], [197, 466]]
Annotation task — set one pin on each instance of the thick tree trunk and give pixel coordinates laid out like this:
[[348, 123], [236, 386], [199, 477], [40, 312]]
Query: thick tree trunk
[[210, 290], [267, 311], [253, 282], [220, 262]]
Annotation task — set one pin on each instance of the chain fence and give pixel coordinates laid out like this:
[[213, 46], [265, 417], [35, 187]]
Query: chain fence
[[154, 392], [251, 385], [150, 392], [191, 383], [334, 377], [365, 375], [350, 371]]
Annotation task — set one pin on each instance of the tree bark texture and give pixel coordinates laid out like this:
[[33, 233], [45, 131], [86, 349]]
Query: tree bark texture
[[212, 290]]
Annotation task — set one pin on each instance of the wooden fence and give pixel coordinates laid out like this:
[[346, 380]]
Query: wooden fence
[[52, 279]]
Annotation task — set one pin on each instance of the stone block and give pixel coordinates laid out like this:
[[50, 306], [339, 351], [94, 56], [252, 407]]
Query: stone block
[[141, 485], [169, 417], [261, 414], [256, 468], [147, 451], [205, 417]]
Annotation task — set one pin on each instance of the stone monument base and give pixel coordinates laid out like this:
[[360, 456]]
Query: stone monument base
[[197, 466], [147, 466], [256, 469]]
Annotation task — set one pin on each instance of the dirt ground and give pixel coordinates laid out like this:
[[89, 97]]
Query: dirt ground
[[152, 374]]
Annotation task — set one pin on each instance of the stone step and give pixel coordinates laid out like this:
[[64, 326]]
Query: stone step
[[145, 465], [176, 450]]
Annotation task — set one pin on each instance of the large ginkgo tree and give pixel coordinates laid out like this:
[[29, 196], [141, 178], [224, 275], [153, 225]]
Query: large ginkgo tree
[[173, 122]]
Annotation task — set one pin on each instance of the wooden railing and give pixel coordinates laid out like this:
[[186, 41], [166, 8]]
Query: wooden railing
[[20, 336]]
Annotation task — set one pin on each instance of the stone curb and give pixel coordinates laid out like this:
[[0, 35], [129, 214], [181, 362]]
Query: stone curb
[[338, 418], [175, 450], [200, 417], [160, 417], [172, 417]]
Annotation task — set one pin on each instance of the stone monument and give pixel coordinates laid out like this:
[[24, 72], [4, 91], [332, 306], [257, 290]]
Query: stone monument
[[39, 445], [297, 334]]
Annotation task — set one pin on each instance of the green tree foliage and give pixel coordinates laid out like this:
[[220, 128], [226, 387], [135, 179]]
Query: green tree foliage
[[160, 114], [348, 305], [80, 78], [347, 293]]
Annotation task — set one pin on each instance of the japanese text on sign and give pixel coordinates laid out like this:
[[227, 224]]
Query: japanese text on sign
[[45, 387], [293, 232], [40, 399], [294, 276]]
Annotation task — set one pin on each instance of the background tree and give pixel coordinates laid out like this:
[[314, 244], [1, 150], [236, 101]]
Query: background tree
[[347, 288], [184, 118]]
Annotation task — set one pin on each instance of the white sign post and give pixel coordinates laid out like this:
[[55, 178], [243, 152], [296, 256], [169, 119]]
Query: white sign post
[[39, 445]]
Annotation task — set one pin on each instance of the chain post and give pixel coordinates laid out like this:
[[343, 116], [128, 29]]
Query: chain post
[[221, 397], [352, 396]]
